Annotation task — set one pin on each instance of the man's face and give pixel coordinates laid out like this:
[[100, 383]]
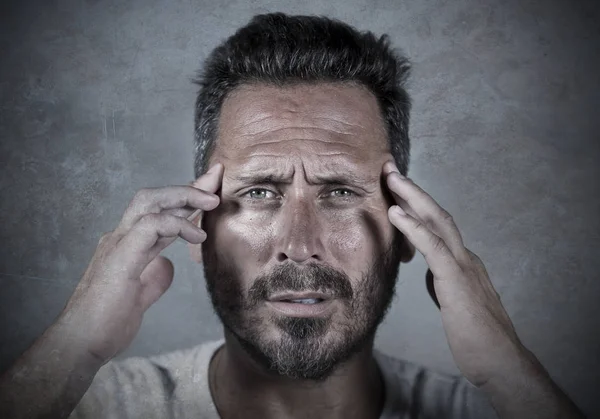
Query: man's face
[[303, 209]]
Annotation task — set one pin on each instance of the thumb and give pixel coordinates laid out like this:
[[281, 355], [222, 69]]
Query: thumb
[[156, 280]]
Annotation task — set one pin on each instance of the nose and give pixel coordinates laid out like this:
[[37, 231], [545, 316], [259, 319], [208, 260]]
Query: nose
[[299, 235]]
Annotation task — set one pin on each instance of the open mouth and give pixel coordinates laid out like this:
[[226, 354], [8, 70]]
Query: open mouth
[[301, 297], [306, 304], [304, 300]]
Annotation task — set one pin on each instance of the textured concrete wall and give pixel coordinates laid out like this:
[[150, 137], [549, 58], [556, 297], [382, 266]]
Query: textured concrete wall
[[96, 103]]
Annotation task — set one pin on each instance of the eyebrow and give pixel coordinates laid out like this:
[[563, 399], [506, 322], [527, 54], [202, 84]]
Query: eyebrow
[[347, 178]]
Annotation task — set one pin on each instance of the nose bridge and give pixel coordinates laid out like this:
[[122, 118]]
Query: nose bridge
[[300, 235]]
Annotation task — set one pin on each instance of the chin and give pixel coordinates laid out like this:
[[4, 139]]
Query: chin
[[300, 348]]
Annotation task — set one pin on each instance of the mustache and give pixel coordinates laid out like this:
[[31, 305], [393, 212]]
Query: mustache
[[289, 277]]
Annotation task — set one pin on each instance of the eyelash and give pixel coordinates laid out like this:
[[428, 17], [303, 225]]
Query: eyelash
[[353, 194]]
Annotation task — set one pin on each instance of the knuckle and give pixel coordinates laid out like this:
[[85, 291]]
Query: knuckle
[[104, 237], [420, 226], [446, 216], [142, 194], [153, 221], [153, 218], [474, 258], [109, 240], [150, 221], [429, 224], [437, 243]]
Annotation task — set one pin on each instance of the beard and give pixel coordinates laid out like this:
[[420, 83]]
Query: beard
[[297, 347]]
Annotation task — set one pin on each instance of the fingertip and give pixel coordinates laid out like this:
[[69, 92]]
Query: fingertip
[[396, 210], [200, 235], [390, 166], [216, 168]]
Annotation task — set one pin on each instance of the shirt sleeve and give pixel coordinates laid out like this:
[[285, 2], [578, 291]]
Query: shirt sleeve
[[469, 402], [130, 389], [413, 391]]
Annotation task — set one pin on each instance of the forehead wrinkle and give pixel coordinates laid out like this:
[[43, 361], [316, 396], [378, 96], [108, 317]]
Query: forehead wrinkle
[[251, 172], [342, 106], [339, 127], [275, 130], [293, 142], [251, 163]]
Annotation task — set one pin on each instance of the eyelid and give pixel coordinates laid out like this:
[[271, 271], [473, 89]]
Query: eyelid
[[257, 189], [331, 189]]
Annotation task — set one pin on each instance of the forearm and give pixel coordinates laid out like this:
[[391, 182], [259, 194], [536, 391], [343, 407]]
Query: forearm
[[524, 389], [49, 379]]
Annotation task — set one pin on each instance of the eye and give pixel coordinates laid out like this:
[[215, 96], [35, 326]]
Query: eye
[[348, 193], [261, 193], [260, 196]]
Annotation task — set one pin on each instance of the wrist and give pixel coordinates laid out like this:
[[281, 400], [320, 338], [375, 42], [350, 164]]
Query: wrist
[[524, 389], [70, 345], [518, 368]]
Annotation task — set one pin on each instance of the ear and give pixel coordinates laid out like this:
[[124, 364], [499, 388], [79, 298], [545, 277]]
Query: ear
[[408, 251]]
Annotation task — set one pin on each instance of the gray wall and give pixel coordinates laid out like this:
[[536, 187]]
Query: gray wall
[[96, 103]]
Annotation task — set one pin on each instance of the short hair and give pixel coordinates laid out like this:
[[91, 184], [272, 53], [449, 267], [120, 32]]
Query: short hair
[[280, 50]]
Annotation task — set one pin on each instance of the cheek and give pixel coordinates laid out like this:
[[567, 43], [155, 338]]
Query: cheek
[[246, 238], [346, 238], [350, 239], [358, 237]]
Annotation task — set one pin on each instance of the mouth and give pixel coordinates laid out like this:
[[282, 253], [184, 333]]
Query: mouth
[[301, 297], [302, 304]]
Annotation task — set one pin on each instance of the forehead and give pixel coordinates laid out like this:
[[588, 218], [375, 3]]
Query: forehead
[[305, 120]]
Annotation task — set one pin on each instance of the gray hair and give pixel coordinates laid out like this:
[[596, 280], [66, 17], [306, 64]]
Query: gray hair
[[281, 50]]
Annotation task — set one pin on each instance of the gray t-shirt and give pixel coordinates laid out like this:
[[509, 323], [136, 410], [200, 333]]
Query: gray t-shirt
[[175, 386]]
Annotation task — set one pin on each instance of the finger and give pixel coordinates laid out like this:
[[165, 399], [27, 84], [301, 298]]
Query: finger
[[154, 200], [388, 168], [141, 243], [211, 180], [212, 184], [423, 207], [437, 254], [156, 280]]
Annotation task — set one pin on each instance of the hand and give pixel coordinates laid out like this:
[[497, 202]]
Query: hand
[[126, 275], [480, 334]]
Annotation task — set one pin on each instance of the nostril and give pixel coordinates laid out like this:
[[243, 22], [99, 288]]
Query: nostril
[[282, 257]]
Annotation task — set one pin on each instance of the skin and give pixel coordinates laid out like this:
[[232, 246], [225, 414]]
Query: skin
[[306, 227], [300, 132], [304, 131]]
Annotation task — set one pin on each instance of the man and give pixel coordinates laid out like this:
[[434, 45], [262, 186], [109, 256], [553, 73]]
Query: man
[[305, 218]]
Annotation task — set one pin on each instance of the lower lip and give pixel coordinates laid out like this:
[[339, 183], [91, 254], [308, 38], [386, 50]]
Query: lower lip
[[302, 310]]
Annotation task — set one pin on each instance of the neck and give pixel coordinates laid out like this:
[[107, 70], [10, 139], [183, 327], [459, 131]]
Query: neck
[[239, 384]]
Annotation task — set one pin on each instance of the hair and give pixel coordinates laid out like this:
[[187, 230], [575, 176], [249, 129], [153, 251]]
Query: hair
[[281, 50]]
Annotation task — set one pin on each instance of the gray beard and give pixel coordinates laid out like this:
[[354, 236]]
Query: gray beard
[[308, 348]]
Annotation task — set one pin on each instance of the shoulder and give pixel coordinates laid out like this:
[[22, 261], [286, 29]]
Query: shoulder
[[183, 365], [426, 393], [146, 386]]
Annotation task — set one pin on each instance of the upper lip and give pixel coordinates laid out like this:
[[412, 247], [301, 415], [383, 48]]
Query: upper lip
[[299, 296]]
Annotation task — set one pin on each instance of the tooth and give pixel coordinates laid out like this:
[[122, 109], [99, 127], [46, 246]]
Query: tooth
[[306, 301]]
